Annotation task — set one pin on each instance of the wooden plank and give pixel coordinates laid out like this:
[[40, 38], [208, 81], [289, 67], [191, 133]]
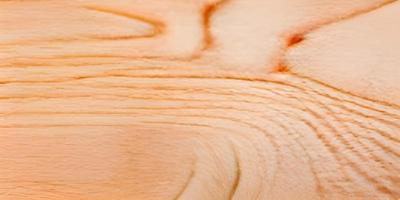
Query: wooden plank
[[202, 99]]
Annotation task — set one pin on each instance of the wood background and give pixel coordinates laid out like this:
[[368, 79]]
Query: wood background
[[200, 99]]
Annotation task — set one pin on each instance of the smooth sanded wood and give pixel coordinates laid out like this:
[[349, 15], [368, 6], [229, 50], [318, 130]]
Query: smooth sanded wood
[[199, 100]]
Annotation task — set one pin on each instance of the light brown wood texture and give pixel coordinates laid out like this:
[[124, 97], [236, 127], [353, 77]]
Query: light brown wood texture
[[199, 100]]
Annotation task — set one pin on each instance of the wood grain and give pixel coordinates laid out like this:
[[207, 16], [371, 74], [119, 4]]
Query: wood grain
[[198, 99]]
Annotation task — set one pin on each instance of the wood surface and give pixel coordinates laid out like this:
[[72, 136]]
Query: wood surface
[[199, 99]]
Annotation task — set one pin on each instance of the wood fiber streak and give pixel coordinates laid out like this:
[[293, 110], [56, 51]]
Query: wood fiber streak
[[158, 27], [154, 108]]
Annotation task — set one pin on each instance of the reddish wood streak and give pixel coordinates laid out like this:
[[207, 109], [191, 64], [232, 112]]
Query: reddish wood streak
[[294, 39], [208, 11]]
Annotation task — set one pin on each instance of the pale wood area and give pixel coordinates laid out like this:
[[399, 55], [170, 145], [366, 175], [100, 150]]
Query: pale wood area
[[199, 100]]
